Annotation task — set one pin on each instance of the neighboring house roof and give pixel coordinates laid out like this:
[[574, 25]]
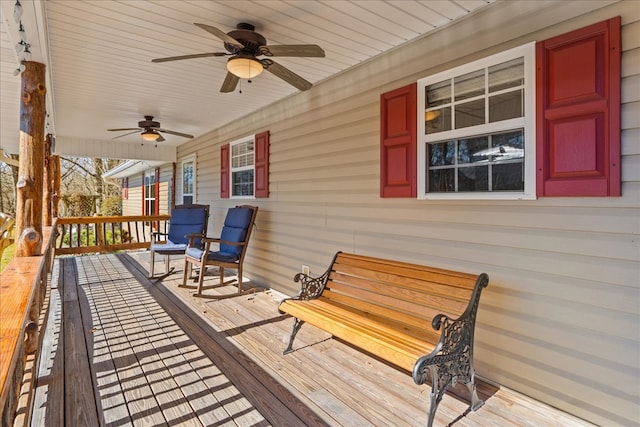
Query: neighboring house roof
[[131, 167]]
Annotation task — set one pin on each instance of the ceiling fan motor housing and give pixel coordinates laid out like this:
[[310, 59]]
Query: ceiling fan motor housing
[[245, 34], [148, 123]]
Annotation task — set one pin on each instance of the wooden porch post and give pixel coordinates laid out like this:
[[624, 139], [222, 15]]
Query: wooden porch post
[[47, 186], [30, 172]]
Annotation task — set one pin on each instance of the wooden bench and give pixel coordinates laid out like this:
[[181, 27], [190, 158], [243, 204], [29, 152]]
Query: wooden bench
[[385, 308]]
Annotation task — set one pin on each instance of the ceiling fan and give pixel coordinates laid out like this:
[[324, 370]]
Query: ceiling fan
[[244, 45], [150, 130]]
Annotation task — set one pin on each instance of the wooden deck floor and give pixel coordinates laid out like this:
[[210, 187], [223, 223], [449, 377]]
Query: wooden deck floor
[[137, 352]]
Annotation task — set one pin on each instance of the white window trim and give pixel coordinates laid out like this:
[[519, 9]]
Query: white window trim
[[528, 123], [232, 169], [191, 158]]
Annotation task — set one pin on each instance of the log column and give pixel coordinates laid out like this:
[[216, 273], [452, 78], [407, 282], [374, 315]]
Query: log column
[[30, 173], [47, 187]]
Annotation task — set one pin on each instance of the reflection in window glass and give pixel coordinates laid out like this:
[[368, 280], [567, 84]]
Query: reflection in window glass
[[188, 181], [506, 106], [506, 75], [438, 94], [243, 183], [470, 114], [484, 163], [469, 85]]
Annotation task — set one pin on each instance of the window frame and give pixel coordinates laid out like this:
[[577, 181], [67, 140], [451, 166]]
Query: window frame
[[189, 159], [527, 123], [252, 167]]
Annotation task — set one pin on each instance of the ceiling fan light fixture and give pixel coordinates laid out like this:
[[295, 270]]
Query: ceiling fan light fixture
[[149, 135], [244, 67]]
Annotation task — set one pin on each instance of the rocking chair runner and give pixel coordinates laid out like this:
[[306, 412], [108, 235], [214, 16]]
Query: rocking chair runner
[[186, 221], [233, 242]]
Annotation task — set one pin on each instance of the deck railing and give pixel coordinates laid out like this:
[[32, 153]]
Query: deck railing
[[102, 234], [23, 286]]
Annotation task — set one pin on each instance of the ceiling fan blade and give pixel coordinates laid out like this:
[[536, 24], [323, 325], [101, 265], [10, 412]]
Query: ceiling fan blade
[[229, 84], [221, 35], [122, 130], [193, 56], [126, 134], [160, 139], [300, 50], [172, 132], [289, 76]]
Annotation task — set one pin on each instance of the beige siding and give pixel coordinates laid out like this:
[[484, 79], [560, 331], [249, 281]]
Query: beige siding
[[560, 319]]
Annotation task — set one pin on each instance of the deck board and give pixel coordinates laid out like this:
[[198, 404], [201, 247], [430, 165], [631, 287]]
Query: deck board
[[155, 355]]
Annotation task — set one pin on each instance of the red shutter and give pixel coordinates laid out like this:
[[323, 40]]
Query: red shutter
[[578, 112], [224, 171], [261, 165], [398, 165]]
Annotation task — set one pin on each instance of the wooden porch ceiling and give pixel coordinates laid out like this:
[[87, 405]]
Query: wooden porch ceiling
[[98, 56], [135, 352]]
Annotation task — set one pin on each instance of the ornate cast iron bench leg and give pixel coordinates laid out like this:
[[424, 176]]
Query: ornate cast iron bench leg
[[297, 324]]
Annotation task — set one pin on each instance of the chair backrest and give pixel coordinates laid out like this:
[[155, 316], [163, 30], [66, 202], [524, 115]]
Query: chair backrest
[[237, 228], [188, 219]]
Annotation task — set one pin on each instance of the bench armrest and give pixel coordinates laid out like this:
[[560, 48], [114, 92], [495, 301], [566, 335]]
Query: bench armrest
[[454, 352]]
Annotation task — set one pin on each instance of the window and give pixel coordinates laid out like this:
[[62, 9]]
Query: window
[[149, 193], [242, 168], [476, 129], [189, 180]]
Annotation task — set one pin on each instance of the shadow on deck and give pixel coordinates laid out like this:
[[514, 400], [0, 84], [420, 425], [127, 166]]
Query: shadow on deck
[[133, 351]]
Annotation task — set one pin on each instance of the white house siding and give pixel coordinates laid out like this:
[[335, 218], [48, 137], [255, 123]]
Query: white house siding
[[560, 318]]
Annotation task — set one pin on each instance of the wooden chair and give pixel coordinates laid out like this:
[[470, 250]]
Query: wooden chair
[[187, 221], [232, 247]]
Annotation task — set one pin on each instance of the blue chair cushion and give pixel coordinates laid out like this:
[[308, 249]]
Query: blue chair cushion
[[186, 221], [213, 256], [169, 248], [235, 229]]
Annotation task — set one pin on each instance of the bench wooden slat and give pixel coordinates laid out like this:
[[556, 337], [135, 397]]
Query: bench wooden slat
[[423, 273], [400, 299], [412, 325]]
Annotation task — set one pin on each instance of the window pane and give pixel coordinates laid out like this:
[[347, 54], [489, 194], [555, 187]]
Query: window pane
[[506, 106], [187, 178], [437, 120], [508, 177], [441, 180], [470, 114], [473, 150], [187, 200], [508, 146], [242, 183], [469, 85], [438, 94], [507, 74], [442, 154], [475, 178]]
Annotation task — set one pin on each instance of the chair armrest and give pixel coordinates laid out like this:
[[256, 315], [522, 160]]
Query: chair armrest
[[155, 235]]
